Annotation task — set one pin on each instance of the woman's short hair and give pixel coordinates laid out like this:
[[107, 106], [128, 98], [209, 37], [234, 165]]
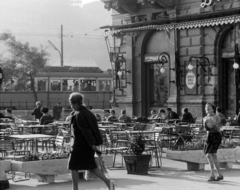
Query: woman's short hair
[[112, 111], [219, 109], [162, 111], [8, 110], [123, 112], [76, 97], [44, 109], [38, 103], [213, 107], [169, 109], [185, 110]]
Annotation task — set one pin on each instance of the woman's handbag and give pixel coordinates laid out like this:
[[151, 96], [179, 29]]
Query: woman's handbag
[[101, 163]]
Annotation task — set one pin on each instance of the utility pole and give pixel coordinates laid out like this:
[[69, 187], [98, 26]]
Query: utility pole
[[60, 52], [61, 45]]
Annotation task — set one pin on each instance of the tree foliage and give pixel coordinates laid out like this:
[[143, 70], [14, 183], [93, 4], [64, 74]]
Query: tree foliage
[[21, 63]]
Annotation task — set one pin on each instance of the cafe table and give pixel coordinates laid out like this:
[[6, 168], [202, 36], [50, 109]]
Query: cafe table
[[33, 137]]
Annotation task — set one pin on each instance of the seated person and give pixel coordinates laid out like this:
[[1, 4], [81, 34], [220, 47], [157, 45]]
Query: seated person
[[187, 116], [171, 114], [9, 115], [153, 114], [112, 117], [98, 117], [106, 114], [123, 117], [161, 114], [46, 118], [223, 118]]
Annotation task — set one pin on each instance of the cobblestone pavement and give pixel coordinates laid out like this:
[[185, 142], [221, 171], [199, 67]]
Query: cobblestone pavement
[[172, 175]]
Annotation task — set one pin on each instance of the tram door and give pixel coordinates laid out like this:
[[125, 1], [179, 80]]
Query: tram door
[[230, 89]]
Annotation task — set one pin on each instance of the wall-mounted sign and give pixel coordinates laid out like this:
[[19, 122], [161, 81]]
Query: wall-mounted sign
[[190, 79]]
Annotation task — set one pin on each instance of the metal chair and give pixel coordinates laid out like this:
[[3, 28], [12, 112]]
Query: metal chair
[[235, 136], [112, 147]]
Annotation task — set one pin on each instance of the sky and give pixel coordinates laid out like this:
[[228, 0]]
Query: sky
[[39, 21]]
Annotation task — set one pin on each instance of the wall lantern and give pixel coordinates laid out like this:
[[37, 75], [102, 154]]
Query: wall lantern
[[162, 59], [201, 62], [236, 57]]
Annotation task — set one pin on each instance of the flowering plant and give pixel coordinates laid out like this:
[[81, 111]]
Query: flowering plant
[[137, 145]]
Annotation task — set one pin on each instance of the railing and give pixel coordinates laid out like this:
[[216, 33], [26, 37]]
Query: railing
[[29, 105]]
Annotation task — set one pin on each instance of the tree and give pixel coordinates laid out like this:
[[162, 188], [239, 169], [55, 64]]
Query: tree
[[21, 63]]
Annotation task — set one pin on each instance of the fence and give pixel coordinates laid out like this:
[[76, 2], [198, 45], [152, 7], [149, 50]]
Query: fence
[[29, 105]]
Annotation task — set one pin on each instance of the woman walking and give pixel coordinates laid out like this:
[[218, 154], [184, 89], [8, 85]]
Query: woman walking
[[85, 136], [212, 124]]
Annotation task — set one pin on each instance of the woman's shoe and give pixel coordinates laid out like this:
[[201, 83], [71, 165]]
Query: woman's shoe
[[212, 178], [219, 177], [112, 185]]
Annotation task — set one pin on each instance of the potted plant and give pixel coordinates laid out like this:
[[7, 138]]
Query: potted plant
[[136, 162]]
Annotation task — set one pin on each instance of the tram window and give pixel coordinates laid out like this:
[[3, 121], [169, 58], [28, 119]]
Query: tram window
[[55, 85], [41, 85], [70, 85], [104, 85], [87, 85]]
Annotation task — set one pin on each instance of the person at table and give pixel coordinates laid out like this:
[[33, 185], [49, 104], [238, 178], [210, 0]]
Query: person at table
[[161, 114], [187, 116], [37, 111], [223, 118], [9, 114], [57, 110], [124, 117], [85, 137], [46, 118], [212, 123], [1, 115], [153, 114], [98, 117], [106, 114], [112, 117], [171, 114]]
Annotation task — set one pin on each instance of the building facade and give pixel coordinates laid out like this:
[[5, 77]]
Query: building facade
[[178, 53]]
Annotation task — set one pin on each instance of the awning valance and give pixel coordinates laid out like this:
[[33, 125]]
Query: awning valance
[[182, 25]]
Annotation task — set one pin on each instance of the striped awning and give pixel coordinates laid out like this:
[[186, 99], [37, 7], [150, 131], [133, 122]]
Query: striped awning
[[182, 25]]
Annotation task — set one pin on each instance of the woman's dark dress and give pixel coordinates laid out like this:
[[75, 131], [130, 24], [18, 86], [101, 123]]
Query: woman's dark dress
[[213, 141], [83, 136]]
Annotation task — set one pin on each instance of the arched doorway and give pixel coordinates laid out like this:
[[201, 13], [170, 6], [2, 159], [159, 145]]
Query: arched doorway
[[156, 74], [229, 86]]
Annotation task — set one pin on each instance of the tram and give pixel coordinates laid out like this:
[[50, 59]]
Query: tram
[[56, 83]]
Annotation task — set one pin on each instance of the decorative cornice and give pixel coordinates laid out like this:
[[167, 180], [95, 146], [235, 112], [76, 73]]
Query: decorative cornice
[[132, 6], [157, 4], [122, 6]]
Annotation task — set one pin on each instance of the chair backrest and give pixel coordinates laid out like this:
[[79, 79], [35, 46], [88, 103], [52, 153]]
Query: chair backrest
[[150, 127], [198, 134], [59, 143], [6, 145], [47, 122], [139, 127], [235, 134]]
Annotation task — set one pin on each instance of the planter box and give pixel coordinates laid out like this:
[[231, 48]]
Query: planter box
[[196, 159], [47, 169], [137, 164]]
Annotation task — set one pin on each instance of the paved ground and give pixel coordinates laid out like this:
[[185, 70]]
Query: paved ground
[[171, 176]]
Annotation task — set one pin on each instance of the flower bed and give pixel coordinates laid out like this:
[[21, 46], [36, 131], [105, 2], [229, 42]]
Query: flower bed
[[47, 169], [196, 159]]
